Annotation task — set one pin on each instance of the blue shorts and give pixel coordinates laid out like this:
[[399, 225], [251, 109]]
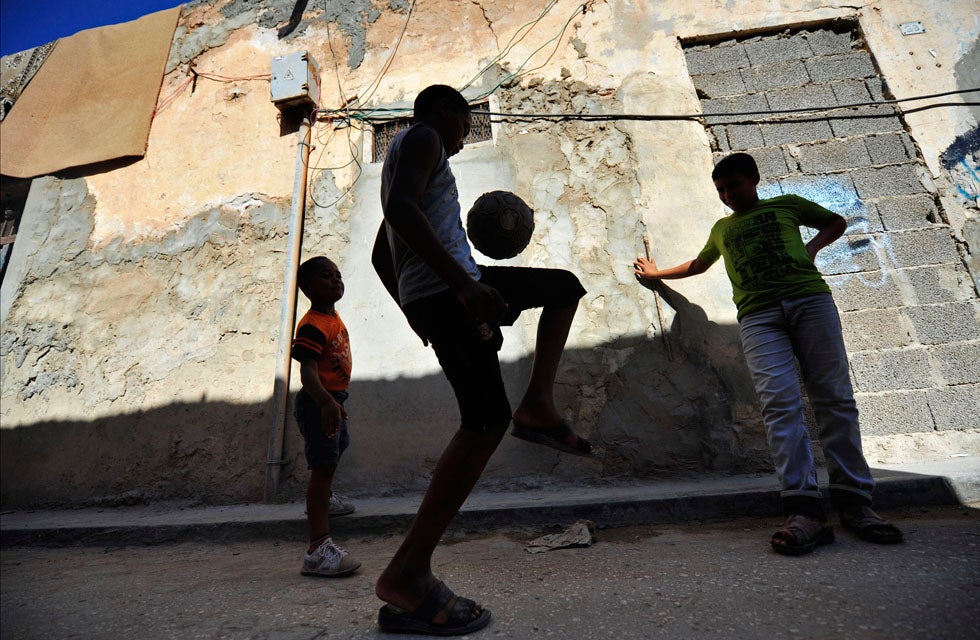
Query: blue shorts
[[469, 362], [321, 451]]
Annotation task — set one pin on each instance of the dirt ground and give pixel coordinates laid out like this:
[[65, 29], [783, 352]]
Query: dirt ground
[[692, 581]]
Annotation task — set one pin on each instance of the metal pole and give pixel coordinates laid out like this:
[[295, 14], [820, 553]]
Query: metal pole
[[287, 317]]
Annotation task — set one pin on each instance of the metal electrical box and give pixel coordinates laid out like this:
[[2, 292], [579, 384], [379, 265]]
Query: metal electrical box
[[295, 81]]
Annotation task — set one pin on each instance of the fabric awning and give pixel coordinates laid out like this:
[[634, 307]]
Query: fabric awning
[[92, 100]]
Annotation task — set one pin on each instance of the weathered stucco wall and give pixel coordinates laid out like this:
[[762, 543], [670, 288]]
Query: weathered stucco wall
[[140, 310]]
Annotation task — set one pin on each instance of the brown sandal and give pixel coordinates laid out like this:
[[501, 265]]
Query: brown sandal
[[465, 616], [868, 525], [801, 535], [555, 438]]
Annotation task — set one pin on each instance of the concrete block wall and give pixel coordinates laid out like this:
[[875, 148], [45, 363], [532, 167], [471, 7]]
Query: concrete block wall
[[908, 305]]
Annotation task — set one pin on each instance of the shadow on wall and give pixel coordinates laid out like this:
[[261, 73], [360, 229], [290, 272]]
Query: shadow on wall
[[294, 19], [694, 411], [650, 415]]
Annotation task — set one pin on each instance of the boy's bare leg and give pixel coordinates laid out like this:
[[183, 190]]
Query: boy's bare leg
[[536, 409], [318, 503], [408, 577]]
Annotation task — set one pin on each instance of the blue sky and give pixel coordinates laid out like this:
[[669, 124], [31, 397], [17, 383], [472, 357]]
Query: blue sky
[[29, 23]]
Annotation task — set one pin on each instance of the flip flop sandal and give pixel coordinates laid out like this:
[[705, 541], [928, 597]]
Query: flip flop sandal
[[869, 526], [801, 535], [460, 620], [554, 438]]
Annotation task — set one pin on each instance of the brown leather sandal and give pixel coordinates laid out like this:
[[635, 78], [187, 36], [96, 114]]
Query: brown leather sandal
[[801, 535], [868, 525]]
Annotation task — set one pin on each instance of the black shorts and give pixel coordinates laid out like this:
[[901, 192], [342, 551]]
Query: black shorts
[[470, 362], [321, 451]]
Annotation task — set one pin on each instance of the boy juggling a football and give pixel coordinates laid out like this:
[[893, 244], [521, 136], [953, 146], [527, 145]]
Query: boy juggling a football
[[424, 259]]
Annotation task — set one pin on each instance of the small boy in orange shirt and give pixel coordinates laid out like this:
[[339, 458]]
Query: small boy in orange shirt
[[322, 347]]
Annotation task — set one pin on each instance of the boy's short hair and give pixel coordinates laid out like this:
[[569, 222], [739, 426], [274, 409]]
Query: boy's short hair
[[432, 98], [741, 163], [307, 270]]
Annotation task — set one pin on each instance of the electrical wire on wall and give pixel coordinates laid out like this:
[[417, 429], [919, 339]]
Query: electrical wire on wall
[[192, 80], [365, 94], [333, 122], [769, 116], [511, 43], [583, 8], [344, 118], [382, 113], [764, 116], [163, 104], [354, 115]]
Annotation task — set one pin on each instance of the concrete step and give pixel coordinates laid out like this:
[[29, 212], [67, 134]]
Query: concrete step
[[615, 503]]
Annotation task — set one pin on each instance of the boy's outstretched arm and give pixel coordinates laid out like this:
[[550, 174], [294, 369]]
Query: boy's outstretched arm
[[826, 235], [646, 269], [420, 154], [331, 413]]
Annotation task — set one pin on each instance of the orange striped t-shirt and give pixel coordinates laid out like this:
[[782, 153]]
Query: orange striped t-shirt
[[323, 337]]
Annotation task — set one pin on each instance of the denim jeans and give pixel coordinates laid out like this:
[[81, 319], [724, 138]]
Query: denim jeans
[[807, 330]]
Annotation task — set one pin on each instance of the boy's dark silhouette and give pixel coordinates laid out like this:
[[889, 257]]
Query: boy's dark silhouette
[[423, 258]]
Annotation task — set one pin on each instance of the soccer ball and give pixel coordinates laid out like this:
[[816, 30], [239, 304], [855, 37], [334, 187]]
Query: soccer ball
[[499, 224]]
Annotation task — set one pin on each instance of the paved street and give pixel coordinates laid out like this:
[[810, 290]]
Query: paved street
[[690, 581]]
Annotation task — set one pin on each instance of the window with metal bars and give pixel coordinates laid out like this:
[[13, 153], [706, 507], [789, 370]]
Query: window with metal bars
[[385, 131]]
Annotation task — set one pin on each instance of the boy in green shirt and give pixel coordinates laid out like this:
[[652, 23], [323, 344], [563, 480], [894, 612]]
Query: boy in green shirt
[[786, 315]]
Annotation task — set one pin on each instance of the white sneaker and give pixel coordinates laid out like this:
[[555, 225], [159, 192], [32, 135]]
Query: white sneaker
[[330, 561], [338, 507]]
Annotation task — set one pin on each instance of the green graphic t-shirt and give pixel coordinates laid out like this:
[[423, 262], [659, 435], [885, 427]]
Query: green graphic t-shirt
[[764, 253]]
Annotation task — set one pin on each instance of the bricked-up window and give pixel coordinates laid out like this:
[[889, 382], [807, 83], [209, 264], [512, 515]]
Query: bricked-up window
[[385, 131], [862, 164], [858, 162]]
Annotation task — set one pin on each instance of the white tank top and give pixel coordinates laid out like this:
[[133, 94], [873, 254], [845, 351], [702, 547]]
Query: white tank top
[[440, 204]]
